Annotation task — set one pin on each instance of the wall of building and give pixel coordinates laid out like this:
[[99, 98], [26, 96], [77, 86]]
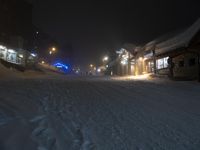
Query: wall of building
[[164, 71], [19, 57], [149, 66], [186, 66]]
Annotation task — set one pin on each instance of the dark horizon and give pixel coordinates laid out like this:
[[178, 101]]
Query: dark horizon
[[89, 30]]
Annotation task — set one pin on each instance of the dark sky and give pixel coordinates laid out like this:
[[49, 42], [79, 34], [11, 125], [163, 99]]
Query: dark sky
[[91, 28]]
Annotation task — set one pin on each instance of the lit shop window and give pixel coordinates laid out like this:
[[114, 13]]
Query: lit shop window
[[2, 52], [162, 63]]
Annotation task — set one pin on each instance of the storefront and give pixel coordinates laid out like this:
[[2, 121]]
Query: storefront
[[180, 55], [11, 56], [17, 57], [3, 52], [162, 63], [162, 66], [148, 62]]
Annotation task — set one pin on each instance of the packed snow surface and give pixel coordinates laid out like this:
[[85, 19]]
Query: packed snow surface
[[98, 113]]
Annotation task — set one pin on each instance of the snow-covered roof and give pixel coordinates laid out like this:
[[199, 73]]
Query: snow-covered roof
[[138, 49], [151, 45], [181, 40], [129, 47]]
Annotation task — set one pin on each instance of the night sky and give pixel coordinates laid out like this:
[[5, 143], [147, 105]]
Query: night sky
[[89, 29]]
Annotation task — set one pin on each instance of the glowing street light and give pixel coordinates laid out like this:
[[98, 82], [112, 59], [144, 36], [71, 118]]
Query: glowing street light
[[53, 49], [91, 65], [21, 56], [105, 58], [99, 70], [141, 59]]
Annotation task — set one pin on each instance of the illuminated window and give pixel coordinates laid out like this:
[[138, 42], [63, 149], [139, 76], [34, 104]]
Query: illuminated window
[[162, 63]]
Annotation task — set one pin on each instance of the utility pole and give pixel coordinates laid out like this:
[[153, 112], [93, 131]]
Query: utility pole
[[154, 61], [129, 64]]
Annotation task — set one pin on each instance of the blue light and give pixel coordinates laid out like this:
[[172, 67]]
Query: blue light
[[61, 66]]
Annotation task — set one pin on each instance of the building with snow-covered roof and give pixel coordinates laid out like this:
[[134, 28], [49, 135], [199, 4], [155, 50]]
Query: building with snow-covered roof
[[148, 52], [181, 40], [124, 62], [176, 54], [179, 56]]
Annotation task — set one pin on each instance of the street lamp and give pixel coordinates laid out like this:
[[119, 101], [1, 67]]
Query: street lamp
[[91, 65], [53, 49], [98, 70], [105, 58]]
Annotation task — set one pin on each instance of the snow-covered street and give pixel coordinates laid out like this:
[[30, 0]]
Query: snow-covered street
[[82, 113]]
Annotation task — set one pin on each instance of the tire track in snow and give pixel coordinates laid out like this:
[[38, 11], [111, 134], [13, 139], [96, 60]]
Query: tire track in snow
[[116, 128], [175, 132], [63, 121], [67, 118]]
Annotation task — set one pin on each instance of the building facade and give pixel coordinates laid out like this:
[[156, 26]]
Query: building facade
[[180, 55], [176, 55], [124, 63]]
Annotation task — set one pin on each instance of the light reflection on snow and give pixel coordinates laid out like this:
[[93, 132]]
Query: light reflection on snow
[[138, 77]]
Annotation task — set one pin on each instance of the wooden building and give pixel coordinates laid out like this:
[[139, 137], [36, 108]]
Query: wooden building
[[123, 64], [179, 56], [176, 55]]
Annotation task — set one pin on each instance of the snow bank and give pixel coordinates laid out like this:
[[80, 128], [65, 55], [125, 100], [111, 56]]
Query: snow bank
[[40, 72]]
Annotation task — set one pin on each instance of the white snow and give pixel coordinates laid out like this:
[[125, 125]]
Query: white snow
[[42, 72], [98, 113], [179, 41]]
